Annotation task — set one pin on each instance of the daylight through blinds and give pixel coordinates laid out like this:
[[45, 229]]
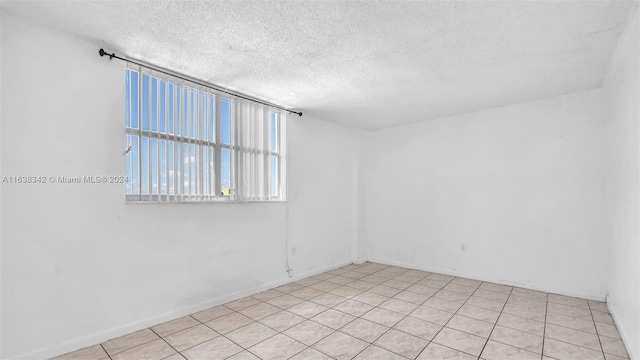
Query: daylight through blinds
[[191, 143]]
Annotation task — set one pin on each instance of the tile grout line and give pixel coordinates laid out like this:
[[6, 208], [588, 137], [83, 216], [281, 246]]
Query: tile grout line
[[495, 323], [371, 343], [544, 328], [375, 281], [445, 324], [597, 332]]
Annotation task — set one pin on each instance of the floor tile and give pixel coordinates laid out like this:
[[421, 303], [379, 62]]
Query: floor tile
[[470, 325], [340, 280], [436, 284], [602, 317], [129, 341], [498, 351], [607, 330], [528, 293], [434, 351], [418, 327], [401, 343], [282, 320], [384, 290], [324, 286], [451, 295], [176, 356], [461, 341], [496, 288], [267, 295], [328, 299], [442, 304], [192, 336], [250, 335], [432, 315], [466, 282], [361, 285], [614, 357], [277, 348], [441, 277], [307, 293], [411, 297], [534, 313], [517, 338], [370, 298], [571, 301], [613, 346], [373, 352], [259, 311], [212, 313], [307, 309], [173, 326], [572, 336], [95, 352], [364, 330], [399, 306], [228, 323], [242, 303], [479, 313], [353, 307], [523, 324], [527, 301], [245, 355], [421, 289], [569, 311], [154, 350], [466, 290], [491, 295], [307, 281], [561, 350], [342, 313], [333, 318], [571, 322], [340, 346], [285, 301], [383, 317], [398, 284], [215, 349], [308, 332], [311, 354], [598, 306], [291, 287], [345, 292], [481, 302]]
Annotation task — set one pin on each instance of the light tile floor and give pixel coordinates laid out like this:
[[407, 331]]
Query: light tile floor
[[374, 311]]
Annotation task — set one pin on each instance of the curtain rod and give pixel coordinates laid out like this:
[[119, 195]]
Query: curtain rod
[[187, 78]]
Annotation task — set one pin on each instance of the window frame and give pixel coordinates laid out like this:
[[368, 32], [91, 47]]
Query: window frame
[[190, 130]]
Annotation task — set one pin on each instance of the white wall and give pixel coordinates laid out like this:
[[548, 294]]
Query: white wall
[[79, 266], [522, 186], [623, 163]]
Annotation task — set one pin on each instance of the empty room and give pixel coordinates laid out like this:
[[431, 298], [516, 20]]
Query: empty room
[[320, 180]]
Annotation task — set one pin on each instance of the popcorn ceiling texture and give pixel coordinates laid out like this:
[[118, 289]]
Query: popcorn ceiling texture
[[365, 65]]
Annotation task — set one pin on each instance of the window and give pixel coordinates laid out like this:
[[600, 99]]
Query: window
[[186, 142]]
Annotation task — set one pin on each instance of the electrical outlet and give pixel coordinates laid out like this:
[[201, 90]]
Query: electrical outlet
[[463, 247], [293, 250]]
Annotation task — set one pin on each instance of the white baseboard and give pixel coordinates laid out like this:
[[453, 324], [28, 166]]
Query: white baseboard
[[105, 335], [623, 334], [597, 297]]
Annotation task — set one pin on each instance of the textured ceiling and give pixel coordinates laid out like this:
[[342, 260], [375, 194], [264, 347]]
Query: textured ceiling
[[367, 64]]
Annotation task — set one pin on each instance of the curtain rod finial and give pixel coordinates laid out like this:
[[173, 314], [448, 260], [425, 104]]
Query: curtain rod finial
[[300, 114], [101, 52]]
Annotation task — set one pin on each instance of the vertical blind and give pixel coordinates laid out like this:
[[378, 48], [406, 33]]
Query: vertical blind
[[187, 142]]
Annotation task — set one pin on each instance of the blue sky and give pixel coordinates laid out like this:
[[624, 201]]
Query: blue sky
[[161, 118]]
